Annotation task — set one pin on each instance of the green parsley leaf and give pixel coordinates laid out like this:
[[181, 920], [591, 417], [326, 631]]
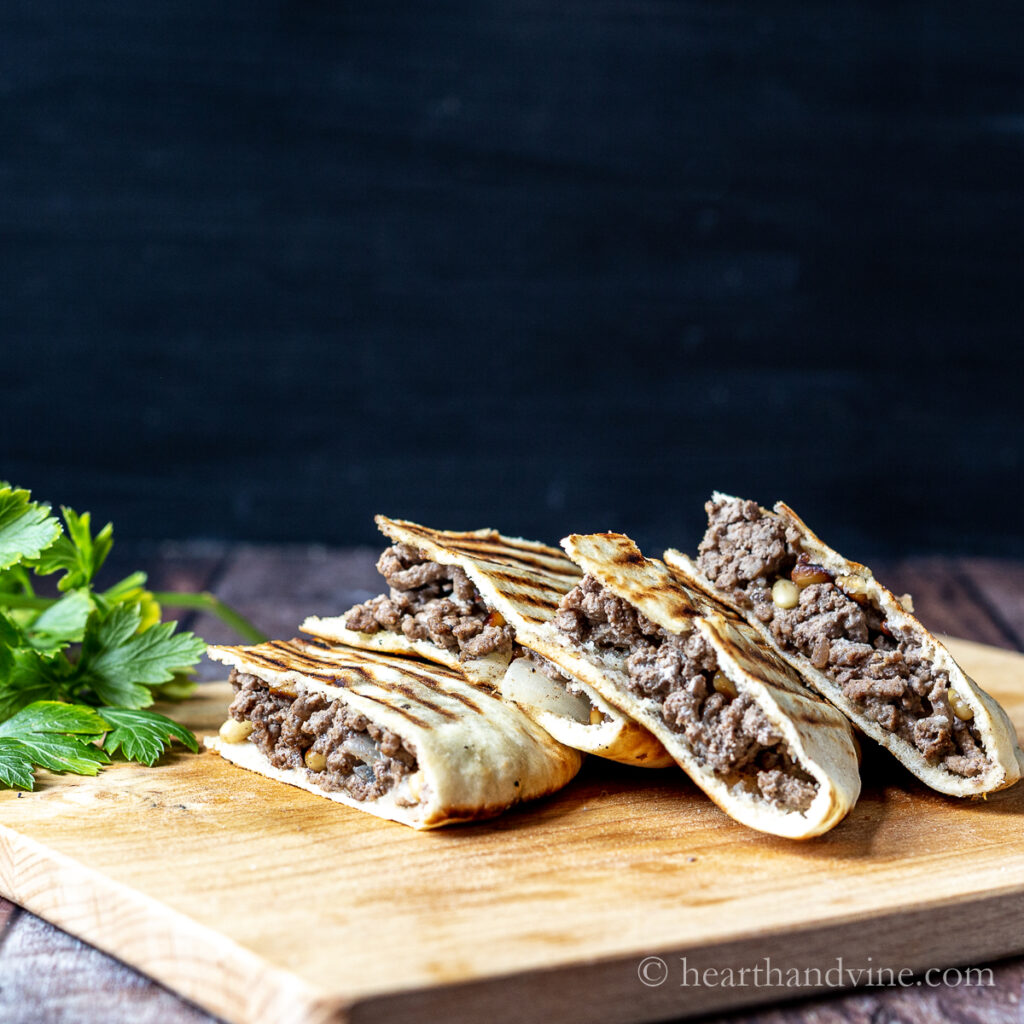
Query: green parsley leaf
[[143, 735], [77, 552], [119, 663], [55, 716], [61, 554], [26, 527], [64, 753], [10, 633], [131, 591], [61, 624], [58, 736], [181, 686], [31, 677], [15, 764]]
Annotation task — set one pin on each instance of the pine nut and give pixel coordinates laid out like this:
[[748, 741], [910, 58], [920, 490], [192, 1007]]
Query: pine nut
[[805, 574], [785, 594], [854, 588], [416, 785], [724, 685], [233, 731], [959, 707]]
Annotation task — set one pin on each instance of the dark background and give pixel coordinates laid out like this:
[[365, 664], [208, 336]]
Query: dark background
[[267, 268]]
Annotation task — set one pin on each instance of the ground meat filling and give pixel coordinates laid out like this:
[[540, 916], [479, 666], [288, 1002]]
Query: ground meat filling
[[359, 758], [429, 601], [727, 731], [882, 670]]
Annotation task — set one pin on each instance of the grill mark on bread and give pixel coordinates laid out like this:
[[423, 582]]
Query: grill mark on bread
[[410, 694], [294, 652], [400, 663], [488, 545], [462, 699], [537, 601], [758, 659], [488, 542], [346, 662], [502, 557], [397, 709], [331, 671], [407, 667], [284, 666], [417, 671], [530, 582]]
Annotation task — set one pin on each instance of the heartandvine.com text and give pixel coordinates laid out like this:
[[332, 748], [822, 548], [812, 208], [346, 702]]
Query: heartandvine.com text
[[654, 972]]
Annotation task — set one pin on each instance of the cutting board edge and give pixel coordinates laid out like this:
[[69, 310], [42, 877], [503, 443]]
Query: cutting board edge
[[197, 962], [613, 993]]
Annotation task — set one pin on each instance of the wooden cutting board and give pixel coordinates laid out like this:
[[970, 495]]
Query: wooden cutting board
[[263, 903]]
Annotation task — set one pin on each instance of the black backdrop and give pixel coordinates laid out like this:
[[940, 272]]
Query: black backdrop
[[267, 268]]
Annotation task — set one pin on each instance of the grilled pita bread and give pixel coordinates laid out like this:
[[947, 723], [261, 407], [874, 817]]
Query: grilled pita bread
[[808, 731], [990, 728], [522, 582], [475, 755]]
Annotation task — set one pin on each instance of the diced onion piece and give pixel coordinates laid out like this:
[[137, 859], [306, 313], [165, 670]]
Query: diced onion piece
[[363, 747]]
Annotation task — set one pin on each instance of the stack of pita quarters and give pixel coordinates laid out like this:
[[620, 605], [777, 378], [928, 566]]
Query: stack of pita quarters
[[493, 664]]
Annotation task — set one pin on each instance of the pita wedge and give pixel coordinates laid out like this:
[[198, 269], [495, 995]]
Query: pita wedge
[[735, 717], [397, 737], [856, 643], [460, 599]]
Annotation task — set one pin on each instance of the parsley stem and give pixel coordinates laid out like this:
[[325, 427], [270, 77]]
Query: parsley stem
[[215, 606], [25, 601]]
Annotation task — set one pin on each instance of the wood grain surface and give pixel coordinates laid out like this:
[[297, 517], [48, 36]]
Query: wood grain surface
[[598, 804]]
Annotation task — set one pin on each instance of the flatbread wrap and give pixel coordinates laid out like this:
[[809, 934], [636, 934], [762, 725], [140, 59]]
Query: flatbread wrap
[[856, 643], [738, 720], [398, 737], [460, 599]]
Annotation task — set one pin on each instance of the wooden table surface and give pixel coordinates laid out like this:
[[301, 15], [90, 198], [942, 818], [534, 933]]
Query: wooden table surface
[[48, 976]]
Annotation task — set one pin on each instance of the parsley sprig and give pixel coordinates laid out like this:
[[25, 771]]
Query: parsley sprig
[[78, 670]]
